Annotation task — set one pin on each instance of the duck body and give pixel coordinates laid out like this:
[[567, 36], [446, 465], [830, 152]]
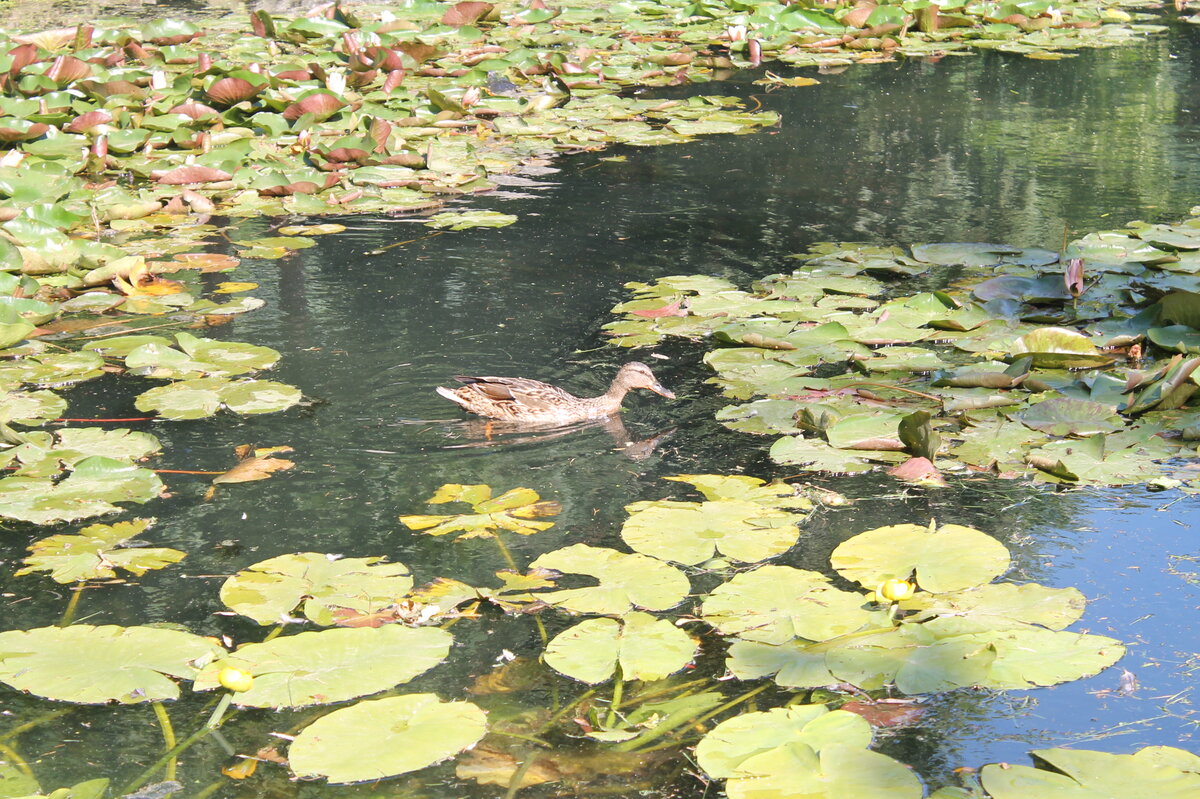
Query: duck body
[[520, 399]]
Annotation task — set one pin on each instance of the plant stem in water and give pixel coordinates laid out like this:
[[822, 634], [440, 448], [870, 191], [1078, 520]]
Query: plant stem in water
[[168, 733], [72, 605]]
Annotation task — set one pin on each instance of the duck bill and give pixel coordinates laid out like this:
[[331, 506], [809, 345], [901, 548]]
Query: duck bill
[[662, 392]]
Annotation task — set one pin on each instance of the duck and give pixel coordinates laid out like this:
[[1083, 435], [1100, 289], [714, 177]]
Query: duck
[[520, 399]]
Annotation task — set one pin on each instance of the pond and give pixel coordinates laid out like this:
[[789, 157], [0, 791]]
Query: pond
[[983, 148]]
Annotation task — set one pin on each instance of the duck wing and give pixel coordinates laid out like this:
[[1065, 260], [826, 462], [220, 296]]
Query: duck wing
[[532, 394]]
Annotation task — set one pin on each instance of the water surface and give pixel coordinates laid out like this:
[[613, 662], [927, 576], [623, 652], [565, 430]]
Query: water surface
[[992, 148]]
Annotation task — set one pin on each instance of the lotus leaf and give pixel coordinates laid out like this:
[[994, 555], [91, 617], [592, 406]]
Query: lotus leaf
[[645, 648], [1084, 774], [1057, 348], [817, 456], [31, 407], [325, 666], [316, 584], [469, 219], [949, 558], [123, 664], [381, 738], [625, 581]]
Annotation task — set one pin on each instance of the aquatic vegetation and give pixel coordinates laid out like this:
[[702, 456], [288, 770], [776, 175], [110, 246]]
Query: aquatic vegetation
[[939, 622], [1074, 369]]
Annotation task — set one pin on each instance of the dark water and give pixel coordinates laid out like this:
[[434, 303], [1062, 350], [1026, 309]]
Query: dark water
[[990, 148]]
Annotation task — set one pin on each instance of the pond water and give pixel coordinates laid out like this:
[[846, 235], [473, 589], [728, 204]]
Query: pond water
[[985, 148]]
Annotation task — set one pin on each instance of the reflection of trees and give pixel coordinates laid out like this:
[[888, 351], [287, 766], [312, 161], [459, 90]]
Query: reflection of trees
[[989, 147]]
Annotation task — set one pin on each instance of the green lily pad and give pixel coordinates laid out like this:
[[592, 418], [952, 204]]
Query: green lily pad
[[1061, 416], [949, 558], [744, 520], [201, 397], [123, 664], [92, 488], [31, 407], [775, 604], [731, 743], [96, 552], [625, 581], [645, 648], [518, 510], [1053, 608], [325, 666], [1084, 774], [1059, 348], [316, 585], [382, 738], [461, 220]]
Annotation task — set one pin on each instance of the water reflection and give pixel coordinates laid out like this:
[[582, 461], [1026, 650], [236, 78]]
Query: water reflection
[[985, 148]]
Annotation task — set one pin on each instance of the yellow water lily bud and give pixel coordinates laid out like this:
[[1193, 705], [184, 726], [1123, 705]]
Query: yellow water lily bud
[[236, 680], [895, 590]]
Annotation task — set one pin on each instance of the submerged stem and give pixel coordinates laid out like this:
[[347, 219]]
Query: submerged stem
[[14, 759], [508, 558], [34, 722], [618, 690], [168, 734], [72, 605], [566, 709]]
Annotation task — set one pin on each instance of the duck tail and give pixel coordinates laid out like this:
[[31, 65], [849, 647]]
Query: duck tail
[[450, 394]]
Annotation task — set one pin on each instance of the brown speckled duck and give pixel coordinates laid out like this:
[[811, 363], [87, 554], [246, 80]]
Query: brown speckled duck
[[519, 399]]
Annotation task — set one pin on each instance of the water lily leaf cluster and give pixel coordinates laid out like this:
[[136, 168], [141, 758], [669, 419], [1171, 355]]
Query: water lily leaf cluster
[[961, 630], [325, 666], [802, 750], [1004, 370], [315, 585], [96, 552], [1156, 771], [743, 519], [518, 511]]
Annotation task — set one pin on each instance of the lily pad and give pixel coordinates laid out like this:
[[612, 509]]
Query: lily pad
[[743, 519], [645, 648], [382, 738], [949, 558], [775, 604], [315, 584], [96, 552], [625, 581], [127, 665], [1083, 774], [326, 666]]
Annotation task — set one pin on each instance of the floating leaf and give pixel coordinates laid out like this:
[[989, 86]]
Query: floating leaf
[[326, 666], [384, 737], [516, 510], [778, 603], [96, 552], [123, 664], [625, 581], [949, 558], [744, 519], [1082, 774], [316, 584], [644, 647], [461, 220]]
